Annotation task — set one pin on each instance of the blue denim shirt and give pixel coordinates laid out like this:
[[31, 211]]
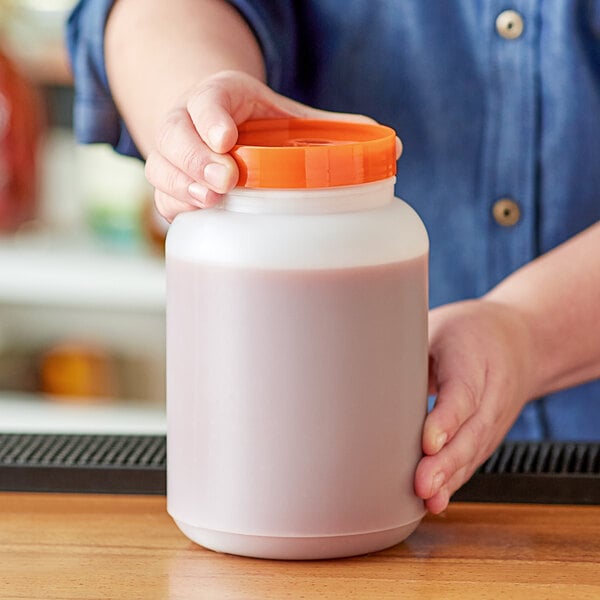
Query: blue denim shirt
[[484, 114]]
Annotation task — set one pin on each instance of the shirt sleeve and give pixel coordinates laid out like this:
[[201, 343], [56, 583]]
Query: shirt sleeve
[[275, 26], [96, 118]]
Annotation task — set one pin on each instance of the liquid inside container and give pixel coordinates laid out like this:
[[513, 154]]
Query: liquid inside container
[[297, 354]]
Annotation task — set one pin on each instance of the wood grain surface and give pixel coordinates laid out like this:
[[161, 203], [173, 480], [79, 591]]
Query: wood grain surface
[[83, 547]]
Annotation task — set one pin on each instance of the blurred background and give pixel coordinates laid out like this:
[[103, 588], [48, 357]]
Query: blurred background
[[81, 252]]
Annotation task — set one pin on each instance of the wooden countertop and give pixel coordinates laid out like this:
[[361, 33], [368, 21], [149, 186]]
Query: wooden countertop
[[126, 547]]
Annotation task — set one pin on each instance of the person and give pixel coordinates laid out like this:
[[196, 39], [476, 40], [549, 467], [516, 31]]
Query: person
[[499, 113]]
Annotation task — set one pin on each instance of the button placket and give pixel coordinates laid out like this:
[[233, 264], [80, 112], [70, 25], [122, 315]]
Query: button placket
[[509, 162]]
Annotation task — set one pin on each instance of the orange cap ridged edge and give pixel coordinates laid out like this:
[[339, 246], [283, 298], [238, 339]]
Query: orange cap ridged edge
[[302, 153]]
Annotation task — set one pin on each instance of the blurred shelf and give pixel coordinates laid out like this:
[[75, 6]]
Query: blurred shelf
[[29, 413], [42, 270]]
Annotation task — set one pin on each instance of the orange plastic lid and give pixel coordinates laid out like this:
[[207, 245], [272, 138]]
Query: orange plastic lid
[[299, 153]]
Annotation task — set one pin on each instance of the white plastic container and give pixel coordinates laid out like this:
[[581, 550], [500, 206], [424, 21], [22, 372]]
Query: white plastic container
[[297, 349]]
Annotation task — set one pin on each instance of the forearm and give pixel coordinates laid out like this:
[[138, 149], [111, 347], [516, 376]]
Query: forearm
[[156, 50], [559, 297]]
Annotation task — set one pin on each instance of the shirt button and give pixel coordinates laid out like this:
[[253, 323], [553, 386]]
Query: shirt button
[[509, 24], [506, 212]]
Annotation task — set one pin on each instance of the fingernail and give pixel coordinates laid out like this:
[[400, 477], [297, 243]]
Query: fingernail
[[440, 440], [215, 175], [198, 192], [438, 482], [215, 136]]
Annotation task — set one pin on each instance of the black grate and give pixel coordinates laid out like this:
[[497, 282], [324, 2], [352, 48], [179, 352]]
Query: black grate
[[83, 463], [548, 472], [545, 458]]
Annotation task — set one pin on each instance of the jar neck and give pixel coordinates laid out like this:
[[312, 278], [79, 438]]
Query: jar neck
[[352, 198]]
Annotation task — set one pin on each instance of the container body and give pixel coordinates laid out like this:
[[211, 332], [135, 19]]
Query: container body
[[297, 371]]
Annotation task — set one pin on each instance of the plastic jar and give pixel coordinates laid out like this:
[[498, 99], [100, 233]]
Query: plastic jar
[[297, 349]]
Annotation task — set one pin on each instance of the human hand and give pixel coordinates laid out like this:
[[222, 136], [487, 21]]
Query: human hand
[[189, 166], [479, 364]]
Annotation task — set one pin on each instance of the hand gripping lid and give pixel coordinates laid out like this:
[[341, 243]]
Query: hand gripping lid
[[299, 153]]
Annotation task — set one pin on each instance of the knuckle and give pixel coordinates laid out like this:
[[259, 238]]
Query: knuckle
[[193, 161], [165, 130], [471, 397], [458, 403], [452, 464], [217, 89], [197, 99], [175, 183], [169, 137], [478, 428], [224, 77], [458, 458], [456, 420], [165, 178], [172, 182]]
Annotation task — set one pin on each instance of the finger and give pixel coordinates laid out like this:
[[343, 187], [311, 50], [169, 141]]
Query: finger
[[456, 402], [170, 207], [439, 501], [224, 101], [230, 98], [180, 144], [177, 185], [466, 450], [210, 111], [169, 179]]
